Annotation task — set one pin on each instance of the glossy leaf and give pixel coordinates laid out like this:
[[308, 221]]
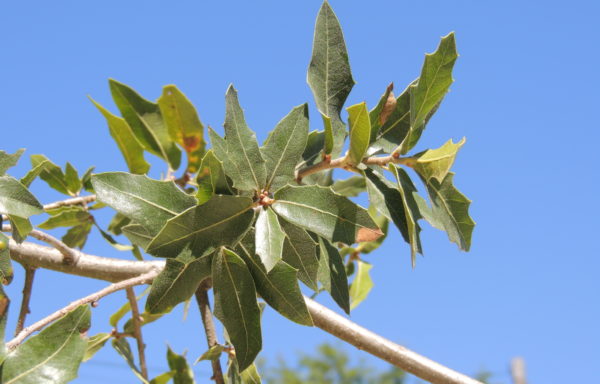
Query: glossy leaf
[[178, 281], [130, 147], [183, 124], [391, 133], [8, 161], [66, 218], [6, 269], [329, 75], [243, 161], [146, 122], [450, 211], [222, 220], [387, 200], [235, 305], [15, 199], [432, 86], [94, 344], [76, 237], [350, 187], [300, 251], [122, 346], [283, 148], [51, 174], [21, 227], [382, 111], [332, 274], [360, 132], [361, 285], [319, 210], [147, 202], [53, 355], [269, 238], [278, 287], [437, 162], [211, 178]]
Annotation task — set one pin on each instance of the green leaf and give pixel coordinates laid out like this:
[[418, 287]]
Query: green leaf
[[145, 318], [67, 218], [211, 178], [77, 236], [433, 84], [250, 375], [122, 347], [437, 162], [147, 202], [33, 173], [450, 211], [390, 202], [269, 238], [411, 209], [72, 179], [278, 287], [113, 320], [130, 147], [243, 161], [213, 353], [117, 223], [382, 111], [178, 281], [332, 274], [53, 355], [330, 137], [300, 251], [360, 132], [146, 122], [138, 235], [329, 75], [15, 199], [222, 220], [163, 378], [8, 161], [21, 227], [183, 124], [369, 246], [319, 210], [115, 244], [283, 148], [394, 130], [351, 187], [4, 304], [94, 344], [6, 269], [312, 155], [361, 285], [86, 180], [51, 174], [235, 305], [179, 364]]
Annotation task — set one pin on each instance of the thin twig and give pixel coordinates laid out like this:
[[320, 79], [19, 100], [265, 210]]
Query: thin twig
[[209, 327], [94, 297], [517, 370], [27, 287], [137, 330], [343, 163], [70, 255], [73, 201]]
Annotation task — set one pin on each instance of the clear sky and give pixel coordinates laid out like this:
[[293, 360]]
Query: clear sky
[[525, 97]]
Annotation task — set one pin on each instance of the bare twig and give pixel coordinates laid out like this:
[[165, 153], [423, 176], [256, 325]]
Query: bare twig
[[114, 270], [143, 279], [137, 330], [27, 287], [209, 327], [342, 163], [83, 200], [70, 255], [517, 370]]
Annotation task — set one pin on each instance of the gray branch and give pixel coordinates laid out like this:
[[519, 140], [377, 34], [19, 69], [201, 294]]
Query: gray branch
[[114, 270]]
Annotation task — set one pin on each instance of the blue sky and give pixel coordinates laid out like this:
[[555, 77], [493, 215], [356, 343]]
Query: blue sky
[[525, 97]]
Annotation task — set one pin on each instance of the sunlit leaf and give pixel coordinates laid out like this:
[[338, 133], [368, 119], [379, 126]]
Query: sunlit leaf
[[51, 174], [213, 353], [361, 285], [94, 344], [15, 199], [382, 111], [21, 227], [66, 218], [391, 133], [269, 238], [360, 132], [211, 178], [8, 161], [72, 179]]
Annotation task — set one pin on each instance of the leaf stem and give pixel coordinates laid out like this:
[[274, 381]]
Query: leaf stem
[[209, 327], [342, 162], [27, 287], [137, 330], [138, 280]]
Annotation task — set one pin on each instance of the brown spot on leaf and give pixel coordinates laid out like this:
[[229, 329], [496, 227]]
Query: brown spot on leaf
[[368, 234], [388, 108], [3, 306], [191, 143]]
